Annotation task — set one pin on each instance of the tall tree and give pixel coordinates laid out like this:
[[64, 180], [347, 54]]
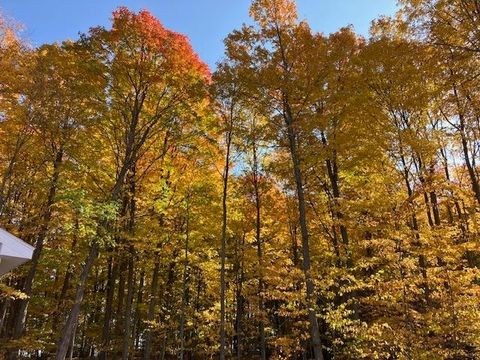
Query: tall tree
[[152, 78]]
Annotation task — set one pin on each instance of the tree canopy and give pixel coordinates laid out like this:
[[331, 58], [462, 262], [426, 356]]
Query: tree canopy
[[316, 196]]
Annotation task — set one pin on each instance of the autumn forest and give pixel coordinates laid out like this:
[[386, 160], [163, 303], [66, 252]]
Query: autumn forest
[[315, 196]]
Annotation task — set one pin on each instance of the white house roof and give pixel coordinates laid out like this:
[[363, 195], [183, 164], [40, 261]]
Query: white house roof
[[13, 252]]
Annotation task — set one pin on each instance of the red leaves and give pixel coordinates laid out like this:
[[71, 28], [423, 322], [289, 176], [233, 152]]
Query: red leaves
[[148, 33]]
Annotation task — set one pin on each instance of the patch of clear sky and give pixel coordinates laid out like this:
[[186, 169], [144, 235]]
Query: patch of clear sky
[[205, 22]]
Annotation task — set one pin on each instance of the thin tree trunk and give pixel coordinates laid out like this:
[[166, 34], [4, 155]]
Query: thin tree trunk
[[8, 173], [415, 227], [458, 209], [168, 306], [69, 272], [312, 315], [3, 314], [238, 295], [122, 266], [226, 170], [435, 208], [21, 313], [332, 171], [464, 141], [73, 316], [151, 311], [110, 289], [131, 279], [258, 231], [128, 306], [185, 282], [292, 140], [72, 345], [138, 313]]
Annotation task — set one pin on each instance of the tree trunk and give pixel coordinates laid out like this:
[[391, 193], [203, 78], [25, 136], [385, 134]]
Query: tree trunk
[[73, 316], [128, 306], [184, 283], [226, 170], [466, 154], [422, 260], [9, 171], [151, 310], [130, 279], [69, 272], [138, 313], [72, 344], [19, 322], [238, 269], [332, 171], [110, 290], [312, 315], [166, 317], [258, 231]]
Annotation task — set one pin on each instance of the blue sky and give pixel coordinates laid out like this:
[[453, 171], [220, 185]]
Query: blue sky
[[205, 22]]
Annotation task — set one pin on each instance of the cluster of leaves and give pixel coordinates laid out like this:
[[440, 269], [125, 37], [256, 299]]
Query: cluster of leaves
[[317, 196]]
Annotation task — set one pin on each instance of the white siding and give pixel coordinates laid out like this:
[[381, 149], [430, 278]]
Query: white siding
[[13, 252]]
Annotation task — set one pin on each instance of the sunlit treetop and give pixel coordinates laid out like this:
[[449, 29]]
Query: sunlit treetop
[[274, 12], [142, 33], [8, 32]]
